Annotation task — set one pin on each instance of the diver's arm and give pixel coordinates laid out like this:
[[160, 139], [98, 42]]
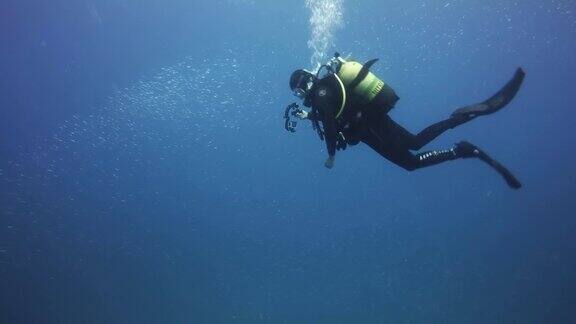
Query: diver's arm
[[330, 134], [326, 106]]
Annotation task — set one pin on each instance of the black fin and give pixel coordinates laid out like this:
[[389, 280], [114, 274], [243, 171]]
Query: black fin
[[468, 150], [497, 101], [504, 172]]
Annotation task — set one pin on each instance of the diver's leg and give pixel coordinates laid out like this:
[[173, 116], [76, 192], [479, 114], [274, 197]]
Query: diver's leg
[[402, 157], [387, 129], [381, 126], [465, 150], [428, 134], [497, 101], [465, 114], [400, 154]]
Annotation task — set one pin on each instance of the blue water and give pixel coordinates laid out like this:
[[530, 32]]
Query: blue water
[[145, 176]]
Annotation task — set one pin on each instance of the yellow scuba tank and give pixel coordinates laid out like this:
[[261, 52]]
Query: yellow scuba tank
[[358, 79], [357, 83]]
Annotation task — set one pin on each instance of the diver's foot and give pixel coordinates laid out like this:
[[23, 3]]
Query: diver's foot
[[466, 150], [496, 102]]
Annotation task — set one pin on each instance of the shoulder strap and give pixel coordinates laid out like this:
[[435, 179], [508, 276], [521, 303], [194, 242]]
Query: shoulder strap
[[343, 88]]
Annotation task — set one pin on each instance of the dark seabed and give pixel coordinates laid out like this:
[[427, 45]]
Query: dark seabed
[[145, 175]]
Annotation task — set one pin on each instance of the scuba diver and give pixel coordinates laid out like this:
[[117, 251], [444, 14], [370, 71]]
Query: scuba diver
[[350, 104]]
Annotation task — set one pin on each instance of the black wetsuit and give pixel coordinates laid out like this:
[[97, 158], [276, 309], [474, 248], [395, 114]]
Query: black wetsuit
[[370, 124]]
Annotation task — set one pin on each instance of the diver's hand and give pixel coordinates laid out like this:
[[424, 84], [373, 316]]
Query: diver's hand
[[302, 114], [329, 162]]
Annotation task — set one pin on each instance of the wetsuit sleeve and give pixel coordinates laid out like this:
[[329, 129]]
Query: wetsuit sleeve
[[326, 104]]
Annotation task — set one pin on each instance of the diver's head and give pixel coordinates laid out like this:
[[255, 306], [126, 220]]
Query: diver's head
[[301, 81]]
